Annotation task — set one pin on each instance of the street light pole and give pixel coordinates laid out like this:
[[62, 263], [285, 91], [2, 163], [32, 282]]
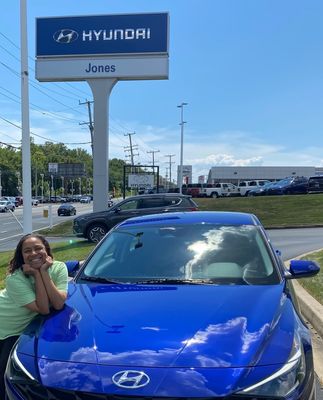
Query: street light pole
[[42, 188], [180, 178], [52, 186], [63, 190]]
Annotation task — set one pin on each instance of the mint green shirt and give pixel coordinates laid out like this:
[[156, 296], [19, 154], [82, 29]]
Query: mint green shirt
[[20, 291]]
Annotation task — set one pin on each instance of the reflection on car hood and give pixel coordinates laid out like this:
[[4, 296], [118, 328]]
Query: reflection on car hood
[[160, 326]]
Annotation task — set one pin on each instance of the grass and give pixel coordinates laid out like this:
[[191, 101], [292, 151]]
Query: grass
[[314, 285], [273, 212]]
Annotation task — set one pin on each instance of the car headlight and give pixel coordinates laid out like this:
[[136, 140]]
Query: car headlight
[[286, 379], [21, 372]]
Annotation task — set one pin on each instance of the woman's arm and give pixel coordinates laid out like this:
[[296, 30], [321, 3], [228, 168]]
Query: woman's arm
[[56, 297], [41, 304]]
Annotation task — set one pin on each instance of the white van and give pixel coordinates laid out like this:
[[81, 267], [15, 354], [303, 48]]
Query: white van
[[244, 187]]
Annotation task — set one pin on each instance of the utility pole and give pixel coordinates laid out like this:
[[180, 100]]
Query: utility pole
[[90, 123], [153, 153], [180, 179], [131, 148], [170, 167]]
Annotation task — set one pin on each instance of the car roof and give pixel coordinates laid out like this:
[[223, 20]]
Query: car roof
[[152, 195], [212, 217]]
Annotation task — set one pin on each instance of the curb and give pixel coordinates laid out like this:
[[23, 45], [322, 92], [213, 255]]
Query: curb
[[311, 308], [312, 311]]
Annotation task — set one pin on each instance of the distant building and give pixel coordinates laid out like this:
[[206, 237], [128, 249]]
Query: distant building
[[237, 174]]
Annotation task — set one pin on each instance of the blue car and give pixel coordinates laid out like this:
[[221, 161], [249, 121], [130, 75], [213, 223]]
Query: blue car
[[173, 306], [291, 185]]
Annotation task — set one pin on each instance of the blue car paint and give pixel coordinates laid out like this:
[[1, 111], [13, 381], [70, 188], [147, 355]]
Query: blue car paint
[[190, 326], [192, 341]]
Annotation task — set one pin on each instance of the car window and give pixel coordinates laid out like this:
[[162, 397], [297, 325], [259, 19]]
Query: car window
[[219, 254], [129, 205], [316, 182], [152, 202], [173, 201]]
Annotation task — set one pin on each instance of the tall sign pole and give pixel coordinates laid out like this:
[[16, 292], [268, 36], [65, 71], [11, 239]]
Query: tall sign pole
[[101, 89], [25, 142]]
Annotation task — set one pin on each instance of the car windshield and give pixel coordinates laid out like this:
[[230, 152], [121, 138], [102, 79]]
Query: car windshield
[[190, 254]]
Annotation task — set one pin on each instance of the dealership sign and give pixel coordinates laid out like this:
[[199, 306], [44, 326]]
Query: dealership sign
[[121, 46], [136, 181]]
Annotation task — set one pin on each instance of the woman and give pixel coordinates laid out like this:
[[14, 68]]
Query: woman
[[34, 284]]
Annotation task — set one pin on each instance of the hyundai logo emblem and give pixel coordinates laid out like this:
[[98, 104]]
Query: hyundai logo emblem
[[130, 379], [65, 36]]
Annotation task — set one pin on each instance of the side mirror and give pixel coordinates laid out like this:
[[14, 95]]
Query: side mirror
[[72, 267], [302, 269]]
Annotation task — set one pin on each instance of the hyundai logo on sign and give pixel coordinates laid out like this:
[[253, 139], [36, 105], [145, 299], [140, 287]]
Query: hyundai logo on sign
[[65, 36], [130, 379], [102, 34]]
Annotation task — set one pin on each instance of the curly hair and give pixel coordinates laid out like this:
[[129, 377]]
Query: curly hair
[[17, 261]]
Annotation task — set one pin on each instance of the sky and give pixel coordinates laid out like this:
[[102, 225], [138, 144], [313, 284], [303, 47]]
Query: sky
[[251, 72]]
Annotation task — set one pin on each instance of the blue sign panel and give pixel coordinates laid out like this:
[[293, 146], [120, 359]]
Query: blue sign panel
[[102, 34]]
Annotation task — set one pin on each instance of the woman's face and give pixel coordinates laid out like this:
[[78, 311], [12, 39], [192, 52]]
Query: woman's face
[[34, 252]]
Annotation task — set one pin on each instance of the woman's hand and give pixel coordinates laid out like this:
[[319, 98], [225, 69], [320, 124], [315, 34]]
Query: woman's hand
[[29, 270], [47, 264]]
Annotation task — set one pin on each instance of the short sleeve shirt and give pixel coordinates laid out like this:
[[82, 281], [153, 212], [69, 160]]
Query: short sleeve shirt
[[20, 291]]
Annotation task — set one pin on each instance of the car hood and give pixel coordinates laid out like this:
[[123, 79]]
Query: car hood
[[159, 326]]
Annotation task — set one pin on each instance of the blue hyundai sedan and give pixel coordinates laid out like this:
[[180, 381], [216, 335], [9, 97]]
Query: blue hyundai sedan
[[175, 306]]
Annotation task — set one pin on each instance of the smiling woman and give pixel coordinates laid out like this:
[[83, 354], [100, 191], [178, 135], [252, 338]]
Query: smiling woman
[[35, 284]]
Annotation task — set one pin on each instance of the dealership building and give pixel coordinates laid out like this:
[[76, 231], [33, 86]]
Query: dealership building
[[236, 174]]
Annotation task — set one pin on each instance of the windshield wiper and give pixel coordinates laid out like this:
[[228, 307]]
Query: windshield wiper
[[167, 281], [98, 279]]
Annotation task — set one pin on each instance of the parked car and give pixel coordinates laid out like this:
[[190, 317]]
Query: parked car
[[34, 202], [85, 199], [291, 185], [66, 209], [8, 204], [260, 190], [12, 199], [3, 206], [95, 225], [220, 189], [244, 187], [315, 184], [173, 306], [57, 199]]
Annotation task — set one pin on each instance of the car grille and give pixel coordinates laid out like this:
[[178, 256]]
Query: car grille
[[38, 392]]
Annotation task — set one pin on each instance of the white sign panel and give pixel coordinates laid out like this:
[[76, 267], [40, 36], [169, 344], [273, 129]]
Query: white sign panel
[[53, 168], [153, 67], [141, 181]]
